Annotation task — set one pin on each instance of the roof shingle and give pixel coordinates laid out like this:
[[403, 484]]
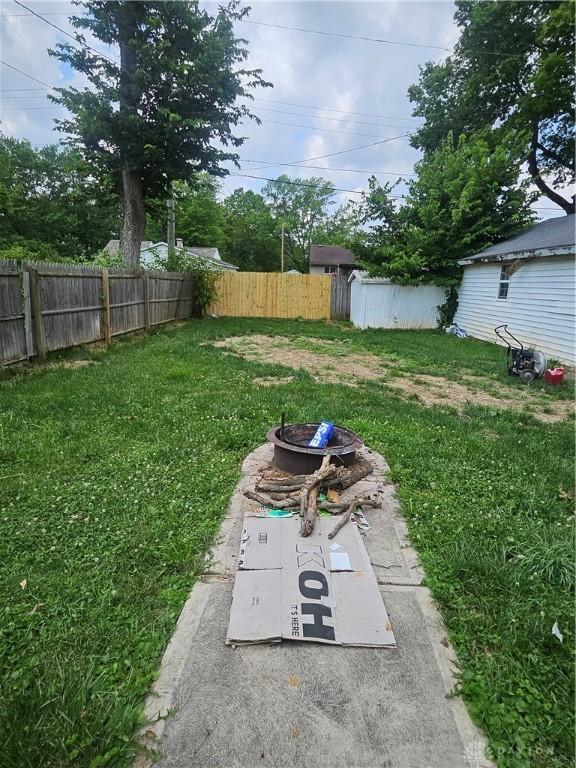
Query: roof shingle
[[331, 255]]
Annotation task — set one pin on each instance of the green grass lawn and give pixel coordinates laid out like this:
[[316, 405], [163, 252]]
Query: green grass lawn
[[114, 478]]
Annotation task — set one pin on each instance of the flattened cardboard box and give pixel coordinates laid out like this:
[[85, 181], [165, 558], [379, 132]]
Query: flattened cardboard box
[[313, 589]]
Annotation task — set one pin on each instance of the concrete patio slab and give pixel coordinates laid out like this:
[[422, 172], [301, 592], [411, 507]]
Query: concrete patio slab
[[294, 705]]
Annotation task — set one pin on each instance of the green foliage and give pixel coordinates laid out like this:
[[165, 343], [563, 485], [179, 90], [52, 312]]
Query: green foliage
[[204, 276], [466, 197], [252, 234], [198, 213], [177, 97], [512, 72], [342, 227], [447, 311], [109, 260], [51, 206], [169, 109], [108, 524], [304, 211]]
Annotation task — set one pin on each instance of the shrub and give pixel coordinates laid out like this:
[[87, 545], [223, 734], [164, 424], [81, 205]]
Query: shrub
[[204, 276], [447, 310]]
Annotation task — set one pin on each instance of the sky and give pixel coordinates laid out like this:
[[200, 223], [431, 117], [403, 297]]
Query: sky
[[330, 94]]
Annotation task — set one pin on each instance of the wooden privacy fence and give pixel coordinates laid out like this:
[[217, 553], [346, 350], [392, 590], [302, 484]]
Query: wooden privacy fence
[[45, 307], [340, 304], [273, 294]]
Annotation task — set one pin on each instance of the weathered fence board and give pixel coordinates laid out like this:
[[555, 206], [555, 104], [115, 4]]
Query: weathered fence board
[[340, 298], [272, 294], [126, 302], [12, 321], [45, 307]]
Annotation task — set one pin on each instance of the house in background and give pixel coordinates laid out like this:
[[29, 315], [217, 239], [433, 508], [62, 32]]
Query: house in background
[[331, 260], [150, 251], [526, 282]]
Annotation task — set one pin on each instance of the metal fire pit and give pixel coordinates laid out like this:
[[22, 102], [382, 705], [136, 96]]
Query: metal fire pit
[[292, 454]]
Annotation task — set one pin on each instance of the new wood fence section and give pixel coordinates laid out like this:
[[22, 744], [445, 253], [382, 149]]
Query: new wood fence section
[[45, 307], [272, 294]]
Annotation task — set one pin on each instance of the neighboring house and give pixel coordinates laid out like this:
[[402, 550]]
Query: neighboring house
[[150, 251], [526, 282], [331, 260], [377, 302]]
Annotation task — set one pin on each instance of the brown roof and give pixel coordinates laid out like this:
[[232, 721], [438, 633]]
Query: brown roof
[[331, 255]]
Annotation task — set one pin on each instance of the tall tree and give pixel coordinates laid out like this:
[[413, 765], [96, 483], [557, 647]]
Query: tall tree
[[198, 213], [303, 208], [512, 70], [465, 197], [252, 234], [51, 205], [156, 114]]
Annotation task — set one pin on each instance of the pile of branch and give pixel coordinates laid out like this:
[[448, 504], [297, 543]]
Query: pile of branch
[[309, 495], [343, 477], [283, 491]]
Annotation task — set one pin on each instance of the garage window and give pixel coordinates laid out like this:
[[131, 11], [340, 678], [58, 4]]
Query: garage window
[[504, 284]]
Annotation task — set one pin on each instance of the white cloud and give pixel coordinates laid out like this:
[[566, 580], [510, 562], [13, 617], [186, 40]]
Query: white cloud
[[347, 76]]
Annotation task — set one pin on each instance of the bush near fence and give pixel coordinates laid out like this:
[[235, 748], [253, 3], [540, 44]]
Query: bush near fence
[[46, 307]]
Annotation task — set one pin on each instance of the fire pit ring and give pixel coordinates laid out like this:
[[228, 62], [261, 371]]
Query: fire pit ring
[[292, 453]]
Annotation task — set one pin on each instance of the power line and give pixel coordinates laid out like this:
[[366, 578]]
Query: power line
[[339, 189], [324, 168], [341, 152], [21, 15], [13, 98], [31, 77], [301, 184], [27, 109], [316, 128], [331, 109], [15, 90], [76, 38], [377, 39], [324, 117], [348, 37]]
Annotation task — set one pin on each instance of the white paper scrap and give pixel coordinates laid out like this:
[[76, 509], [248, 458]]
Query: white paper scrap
[[340, 561], [556, 631], [334, 547]]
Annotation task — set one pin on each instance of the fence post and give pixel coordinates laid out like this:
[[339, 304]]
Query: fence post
[[146, 285], [106, 307], [27, 315], [38, 321]]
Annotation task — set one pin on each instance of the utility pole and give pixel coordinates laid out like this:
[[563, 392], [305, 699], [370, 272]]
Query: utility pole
[[282, 251], [171, 234]]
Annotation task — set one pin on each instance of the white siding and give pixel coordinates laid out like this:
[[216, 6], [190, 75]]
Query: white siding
[[539, 309], [316, 270], [385, 305]]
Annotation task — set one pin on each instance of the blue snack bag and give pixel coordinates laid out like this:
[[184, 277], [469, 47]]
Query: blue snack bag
[[322, 435]]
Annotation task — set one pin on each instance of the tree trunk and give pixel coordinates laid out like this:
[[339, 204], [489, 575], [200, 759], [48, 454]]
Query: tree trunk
[[569, 207], [134, 218]]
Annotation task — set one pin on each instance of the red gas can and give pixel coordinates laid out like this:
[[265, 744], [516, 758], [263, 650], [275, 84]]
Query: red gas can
[[554, 375]]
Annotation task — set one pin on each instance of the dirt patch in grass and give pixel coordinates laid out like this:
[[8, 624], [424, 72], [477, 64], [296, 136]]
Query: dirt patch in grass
[[272, 381], [332, 362], [324, 360], [436, 390]]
